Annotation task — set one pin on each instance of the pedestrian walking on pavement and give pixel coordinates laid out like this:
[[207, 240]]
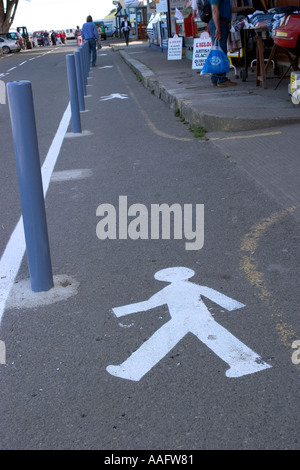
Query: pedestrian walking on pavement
[[99, 39], [126, 27], [78, 36], [90, 34], [46, 38], [63, 37], [53, 37]]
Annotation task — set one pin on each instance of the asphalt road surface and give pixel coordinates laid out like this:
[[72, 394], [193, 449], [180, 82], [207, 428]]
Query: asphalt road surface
[[209, 347]]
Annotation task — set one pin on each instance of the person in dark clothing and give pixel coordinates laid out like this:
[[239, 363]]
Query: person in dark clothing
[[219, 28], [126, 27], [53, 37]]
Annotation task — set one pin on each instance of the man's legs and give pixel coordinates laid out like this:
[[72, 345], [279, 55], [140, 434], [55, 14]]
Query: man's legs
[[220, 77], [94, 54], [126, 34], [93, 51]]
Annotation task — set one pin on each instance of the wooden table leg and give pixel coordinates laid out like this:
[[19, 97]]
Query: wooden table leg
[[260, 64]]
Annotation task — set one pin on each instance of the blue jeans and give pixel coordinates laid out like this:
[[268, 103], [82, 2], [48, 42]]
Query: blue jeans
[[92, 50], [219, 77]]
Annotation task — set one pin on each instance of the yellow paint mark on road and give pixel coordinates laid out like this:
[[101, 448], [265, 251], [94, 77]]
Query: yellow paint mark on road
[[250, 136], [249, 265]]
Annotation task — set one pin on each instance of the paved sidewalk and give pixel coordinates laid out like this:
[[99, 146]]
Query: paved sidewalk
[[243, 107], [257, 128]]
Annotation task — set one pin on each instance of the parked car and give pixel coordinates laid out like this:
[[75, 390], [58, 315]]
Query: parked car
[[15, 36], [38, 37], [109, 30], [70, 33], [288, 34], [9, 45]]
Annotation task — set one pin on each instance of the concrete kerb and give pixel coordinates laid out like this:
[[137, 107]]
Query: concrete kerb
[[199, 117], [172, 97], [151, 82], [148, 78], [214, 123]]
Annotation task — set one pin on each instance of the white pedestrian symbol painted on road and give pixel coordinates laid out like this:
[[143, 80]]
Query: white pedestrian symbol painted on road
[[113, 96], [188, 314]]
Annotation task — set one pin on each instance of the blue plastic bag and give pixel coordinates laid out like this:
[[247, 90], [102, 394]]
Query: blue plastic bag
[[216, 61]]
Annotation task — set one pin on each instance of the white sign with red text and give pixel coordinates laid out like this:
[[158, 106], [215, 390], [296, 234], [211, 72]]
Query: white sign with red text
[[201, 49], [175, 48]]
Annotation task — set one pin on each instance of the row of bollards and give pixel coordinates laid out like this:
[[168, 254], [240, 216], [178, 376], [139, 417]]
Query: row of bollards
[[24, 133], [78, 66]]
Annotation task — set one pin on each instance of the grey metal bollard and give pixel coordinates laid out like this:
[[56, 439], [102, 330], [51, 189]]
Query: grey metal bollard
[[79, 81], [81, 55], [20, 101], [86, 49], [71, 70]]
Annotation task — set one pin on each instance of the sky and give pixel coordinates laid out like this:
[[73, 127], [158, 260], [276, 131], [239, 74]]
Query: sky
[[59, 14]]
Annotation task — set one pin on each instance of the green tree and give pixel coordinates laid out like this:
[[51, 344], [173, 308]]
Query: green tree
[[7, 14]]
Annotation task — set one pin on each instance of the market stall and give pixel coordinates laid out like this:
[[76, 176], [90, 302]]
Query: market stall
[[158, 32], [260, 27], [189, 27], [268, 36]]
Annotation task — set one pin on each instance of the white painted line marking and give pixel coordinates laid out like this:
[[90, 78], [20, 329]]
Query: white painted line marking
[[13, 68], [189, 314], [106, 67], [54, 150], [13, 254], [66, 175], [22, 63], [2, 92]]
